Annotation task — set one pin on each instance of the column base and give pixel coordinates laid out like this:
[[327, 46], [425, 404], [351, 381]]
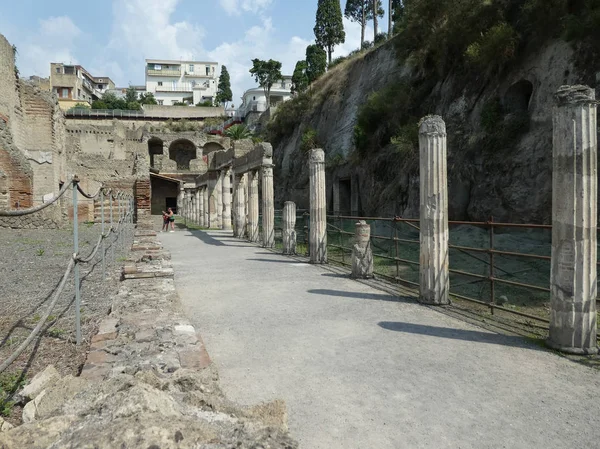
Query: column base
[[571, 350]]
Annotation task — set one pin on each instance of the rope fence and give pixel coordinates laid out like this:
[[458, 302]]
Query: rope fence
[[115, 232]]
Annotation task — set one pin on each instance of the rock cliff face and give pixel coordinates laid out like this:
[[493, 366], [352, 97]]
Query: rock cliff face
[[505, 175]]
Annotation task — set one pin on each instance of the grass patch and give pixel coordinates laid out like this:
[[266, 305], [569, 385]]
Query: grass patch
[[10, 383]]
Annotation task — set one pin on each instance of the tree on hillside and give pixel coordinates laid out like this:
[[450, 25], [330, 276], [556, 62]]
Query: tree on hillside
[[266, 73], [329, 26], [316, 62], [147, 98], [397, 9], [131, 95], [375, 11], [224, 93], [361, 11], [299, 78]]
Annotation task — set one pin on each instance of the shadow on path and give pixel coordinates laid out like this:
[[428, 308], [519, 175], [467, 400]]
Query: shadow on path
[[458, 334], [275, 260], [206, 238], [360, 295]]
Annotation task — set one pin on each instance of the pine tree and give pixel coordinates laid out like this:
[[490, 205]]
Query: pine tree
[[316, 62], [361, 11], [224, 93], [329, 26], [299, 78]]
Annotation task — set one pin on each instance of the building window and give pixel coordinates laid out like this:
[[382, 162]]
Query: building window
[[79, 93], [58, 70], [160, 102], [157, 67], [65, 93], [160, 83], [283, 84], [207, 70], [191, 68], [253, 98]]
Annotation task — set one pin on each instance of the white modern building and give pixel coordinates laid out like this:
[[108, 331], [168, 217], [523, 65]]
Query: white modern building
[[174, 82], [254, 100]]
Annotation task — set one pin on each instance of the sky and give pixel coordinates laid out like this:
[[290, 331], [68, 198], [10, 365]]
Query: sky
[[114, 37]]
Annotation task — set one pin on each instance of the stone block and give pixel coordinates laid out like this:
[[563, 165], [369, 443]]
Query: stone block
[[40, 382], [196, 358], [5, 426]]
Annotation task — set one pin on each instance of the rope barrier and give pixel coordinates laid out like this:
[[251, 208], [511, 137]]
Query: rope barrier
[[20, 212], [88, 196], [43, 319]]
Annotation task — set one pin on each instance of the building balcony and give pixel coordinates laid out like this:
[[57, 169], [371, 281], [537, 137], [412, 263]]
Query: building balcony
[[199, 75], [153, 72], [179, 87]]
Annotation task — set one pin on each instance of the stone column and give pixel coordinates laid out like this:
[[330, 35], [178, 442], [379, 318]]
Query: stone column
[[318, 206], [200, 203], [212, 199], [253, 207], [433, 270], [289, 227], [268, 207], [227, 198], [239, 206], [194, 218], [206, 208], [220, 200], [574, 220], [362, 255], [180, 201]]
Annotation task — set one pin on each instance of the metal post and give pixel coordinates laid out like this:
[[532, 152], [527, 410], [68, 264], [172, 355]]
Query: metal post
[[492, 299], [76, 269], [340, 230], [396, 244], [112, 246], [102, 231]]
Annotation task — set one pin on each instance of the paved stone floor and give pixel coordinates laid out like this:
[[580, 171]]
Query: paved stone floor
[[359, 368]]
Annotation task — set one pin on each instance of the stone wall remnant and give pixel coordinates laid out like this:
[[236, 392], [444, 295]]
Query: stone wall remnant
[[362, 255]]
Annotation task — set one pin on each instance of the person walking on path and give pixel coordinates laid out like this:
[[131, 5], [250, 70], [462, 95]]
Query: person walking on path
[[165, 225], [171, 216]]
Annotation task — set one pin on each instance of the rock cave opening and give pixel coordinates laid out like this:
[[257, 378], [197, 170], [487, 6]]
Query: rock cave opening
[[518, 97]]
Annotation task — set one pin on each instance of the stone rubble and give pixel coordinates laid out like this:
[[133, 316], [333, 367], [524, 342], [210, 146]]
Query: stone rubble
[[148, 381]]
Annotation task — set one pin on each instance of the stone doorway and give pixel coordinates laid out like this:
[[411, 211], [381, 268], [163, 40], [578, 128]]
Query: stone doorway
[[163, 191]]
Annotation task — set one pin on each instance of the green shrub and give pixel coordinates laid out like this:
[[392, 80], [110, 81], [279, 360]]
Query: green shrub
[[238, 132], [337, 61], [406, 140], [289, 115], [380, 38], [10, 383], [495, 48], [204, 104], [309, 140]]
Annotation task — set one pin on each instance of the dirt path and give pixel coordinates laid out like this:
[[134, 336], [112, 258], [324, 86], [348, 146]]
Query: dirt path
[[359, 368]]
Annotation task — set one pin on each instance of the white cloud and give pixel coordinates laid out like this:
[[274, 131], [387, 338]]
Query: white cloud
[[54, 41], [237, 7], [258, 42]]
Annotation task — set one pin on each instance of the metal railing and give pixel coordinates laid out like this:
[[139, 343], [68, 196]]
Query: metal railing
[[489, 262], [104, 113], [121, 212]]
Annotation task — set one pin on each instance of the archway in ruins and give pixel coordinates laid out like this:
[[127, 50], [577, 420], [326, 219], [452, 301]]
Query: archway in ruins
[[182, 151], [211, 147], [155, 146]]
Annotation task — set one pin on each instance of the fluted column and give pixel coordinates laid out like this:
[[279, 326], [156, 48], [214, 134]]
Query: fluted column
[[289, 227], [200, 203], [574, 220], [239, 201], [220, 200], [180, 201], [268, 207], [253, 235], [206, 208], [227, 198], [362, 255], [194, 216], [212, 199], [433, 270], [318, 205]]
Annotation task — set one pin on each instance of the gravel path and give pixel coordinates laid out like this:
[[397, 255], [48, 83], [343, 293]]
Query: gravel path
[[32, 263], [359, 368]]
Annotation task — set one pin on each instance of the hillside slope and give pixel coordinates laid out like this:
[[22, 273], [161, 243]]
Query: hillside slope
[[499, 134]]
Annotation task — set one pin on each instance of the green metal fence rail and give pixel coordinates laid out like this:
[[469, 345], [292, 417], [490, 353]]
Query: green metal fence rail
[[502, 266]]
